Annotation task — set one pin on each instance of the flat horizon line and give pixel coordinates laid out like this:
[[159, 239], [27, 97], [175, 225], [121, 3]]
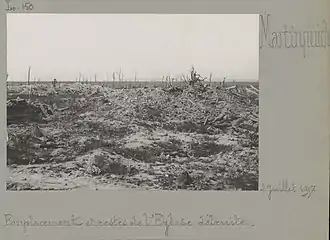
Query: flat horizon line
[[109, 81]]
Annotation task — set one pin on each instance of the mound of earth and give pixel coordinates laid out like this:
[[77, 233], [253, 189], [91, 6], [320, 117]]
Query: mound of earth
[[92, 136]]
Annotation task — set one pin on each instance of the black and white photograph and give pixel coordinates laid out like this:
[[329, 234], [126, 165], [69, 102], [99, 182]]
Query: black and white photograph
[[166, 102]]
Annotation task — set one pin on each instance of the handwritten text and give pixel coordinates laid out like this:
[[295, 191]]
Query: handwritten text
[[144, 220], [25, 6], [305, 190], [291, 38]]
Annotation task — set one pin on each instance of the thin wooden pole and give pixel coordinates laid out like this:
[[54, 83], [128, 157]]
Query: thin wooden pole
[[29, 75]]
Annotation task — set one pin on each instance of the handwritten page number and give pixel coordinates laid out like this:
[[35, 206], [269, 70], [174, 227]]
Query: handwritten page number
[[27, 6]]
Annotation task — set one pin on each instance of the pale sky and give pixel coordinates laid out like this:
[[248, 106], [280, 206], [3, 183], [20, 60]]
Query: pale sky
[[63, 45]]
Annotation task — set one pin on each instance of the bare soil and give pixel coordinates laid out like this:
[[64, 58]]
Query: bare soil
[[91, 136]]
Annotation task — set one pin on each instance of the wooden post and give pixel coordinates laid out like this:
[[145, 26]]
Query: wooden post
[[120, 79], [113, 79], [124, 81], [29, 75]]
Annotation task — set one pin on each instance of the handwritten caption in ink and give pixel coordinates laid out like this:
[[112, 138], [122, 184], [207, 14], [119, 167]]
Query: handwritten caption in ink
[[305, 190], [144, 220], [290, 37], [25, 6]]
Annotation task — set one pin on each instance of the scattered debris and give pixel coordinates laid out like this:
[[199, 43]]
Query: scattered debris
[[196, 136]]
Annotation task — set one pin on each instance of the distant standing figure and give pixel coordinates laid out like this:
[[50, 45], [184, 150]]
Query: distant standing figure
[[54, 82]]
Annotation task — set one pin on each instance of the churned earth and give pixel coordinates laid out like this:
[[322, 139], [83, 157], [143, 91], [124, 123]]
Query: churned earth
[[80, 136]]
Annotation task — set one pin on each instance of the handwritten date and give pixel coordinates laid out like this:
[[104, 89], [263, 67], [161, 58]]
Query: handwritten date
[[305, 190]]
